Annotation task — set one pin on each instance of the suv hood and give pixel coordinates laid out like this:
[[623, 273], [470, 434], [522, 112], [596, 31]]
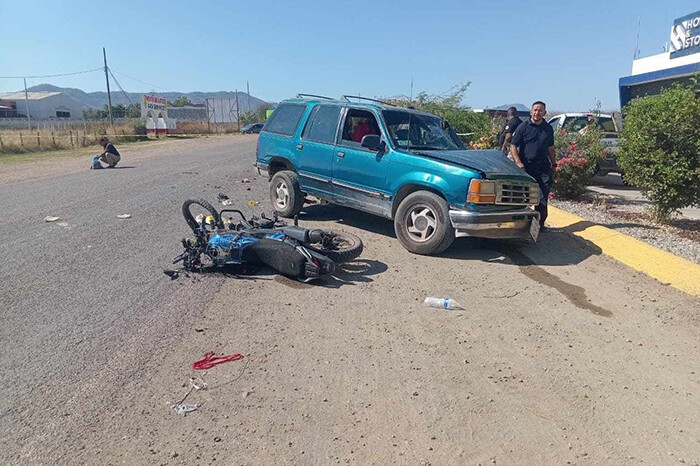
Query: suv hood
[[492, 163]]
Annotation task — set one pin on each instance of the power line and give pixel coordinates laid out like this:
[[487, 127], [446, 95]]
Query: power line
[[120, 86], [51, 75], [142, 82]]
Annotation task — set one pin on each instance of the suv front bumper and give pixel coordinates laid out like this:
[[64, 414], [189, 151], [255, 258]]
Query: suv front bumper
[[504, 225]]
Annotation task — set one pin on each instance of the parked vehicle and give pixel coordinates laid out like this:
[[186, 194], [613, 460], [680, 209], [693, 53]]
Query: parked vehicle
[[606, 123], [398, 163], [252, 128], [292, 251]]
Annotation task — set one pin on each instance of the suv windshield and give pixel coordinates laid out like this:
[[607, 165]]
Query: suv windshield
[[410, 130]]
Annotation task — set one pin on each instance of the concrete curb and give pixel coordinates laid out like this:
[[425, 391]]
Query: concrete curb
[[661, 265]]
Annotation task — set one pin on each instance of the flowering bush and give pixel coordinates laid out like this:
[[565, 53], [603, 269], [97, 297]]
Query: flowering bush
[[578, 155]]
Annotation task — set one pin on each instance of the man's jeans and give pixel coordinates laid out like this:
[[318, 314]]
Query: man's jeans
[[545, 180]]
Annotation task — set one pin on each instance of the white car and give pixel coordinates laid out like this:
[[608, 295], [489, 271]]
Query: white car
[[606, 123]]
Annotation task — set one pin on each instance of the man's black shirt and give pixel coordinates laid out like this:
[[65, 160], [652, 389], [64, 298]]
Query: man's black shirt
[[111, 149], [510, 127], [534, 142]]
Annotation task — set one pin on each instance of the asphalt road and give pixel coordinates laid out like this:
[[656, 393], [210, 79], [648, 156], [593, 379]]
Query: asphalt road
[[86, 306], [562, 355]]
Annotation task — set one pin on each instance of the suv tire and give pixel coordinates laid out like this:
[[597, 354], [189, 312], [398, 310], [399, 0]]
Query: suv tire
[[422, 223], [285, 194]]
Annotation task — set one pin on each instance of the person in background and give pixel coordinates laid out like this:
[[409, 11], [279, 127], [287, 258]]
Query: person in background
[[511, 124], [110, 155], [362, 129], [532, 149]]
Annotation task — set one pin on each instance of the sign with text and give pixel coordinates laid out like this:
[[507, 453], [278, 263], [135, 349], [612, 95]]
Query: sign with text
[[154, 107], [685, 35]]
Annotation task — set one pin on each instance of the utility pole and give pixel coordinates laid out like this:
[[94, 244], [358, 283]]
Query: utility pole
[[109, 95], [26, 101], [238, 119], [247, 86]]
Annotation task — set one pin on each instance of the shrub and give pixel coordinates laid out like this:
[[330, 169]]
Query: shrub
[[577, 155], [659, 149]]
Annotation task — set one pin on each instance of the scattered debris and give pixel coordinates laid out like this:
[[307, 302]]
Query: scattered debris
[[210, 360], [63, 224], [222, 197], [123, 216], [199, 330], [253, 203], [504, 296], [198, 384], [443, 303], [173, 274], [245, 180], [184, 408], [227, 202], [50, 219]]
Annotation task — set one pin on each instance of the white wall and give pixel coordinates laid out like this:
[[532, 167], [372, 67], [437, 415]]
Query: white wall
[[44, 109], [662, 61]]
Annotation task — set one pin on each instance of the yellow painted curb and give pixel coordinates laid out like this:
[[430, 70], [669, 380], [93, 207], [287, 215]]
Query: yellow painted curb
[[664, 266]]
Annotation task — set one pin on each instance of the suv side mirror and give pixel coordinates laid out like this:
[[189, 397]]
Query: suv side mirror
[[372, 142]]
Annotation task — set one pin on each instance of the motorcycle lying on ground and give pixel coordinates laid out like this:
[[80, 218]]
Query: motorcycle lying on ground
[[293, 251]]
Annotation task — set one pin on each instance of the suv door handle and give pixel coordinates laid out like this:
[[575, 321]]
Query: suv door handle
[[341, 154], [300, 146]]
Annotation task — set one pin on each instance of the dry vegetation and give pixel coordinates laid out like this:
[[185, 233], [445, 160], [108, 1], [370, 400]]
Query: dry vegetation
[[18, 141]]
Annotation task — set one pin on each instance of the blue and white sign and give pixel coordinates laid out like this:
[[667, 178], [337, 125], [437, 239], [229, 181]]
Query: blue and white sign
[[685, 35]]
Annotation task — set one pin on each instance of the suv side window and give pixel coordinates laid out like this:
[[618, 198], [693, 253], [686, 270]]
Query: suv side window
[[322, 124], [554, 122], [357, 124], [285, 119]]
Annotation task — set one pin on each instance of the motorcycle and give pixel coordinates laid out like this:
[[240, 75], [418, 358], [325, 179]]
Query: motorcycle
[[300, 253]]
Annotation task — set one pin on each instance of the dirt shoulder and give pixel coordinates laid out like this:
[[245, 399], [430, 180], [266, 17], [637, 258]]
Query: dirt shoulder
[[562, 355], [44, 165]]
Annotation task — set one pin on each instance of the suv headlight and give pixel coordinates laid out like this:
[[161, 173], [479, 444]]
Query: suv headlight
[[482, 192]]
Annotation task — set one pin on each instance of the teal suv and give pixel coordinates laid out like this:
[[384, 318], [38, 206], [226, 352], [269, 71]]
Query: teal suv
[[402, 164]]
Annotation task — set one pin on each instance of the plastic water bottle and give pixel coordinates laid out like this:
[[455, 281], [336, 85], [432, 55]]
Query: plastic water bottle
[[444, 303]]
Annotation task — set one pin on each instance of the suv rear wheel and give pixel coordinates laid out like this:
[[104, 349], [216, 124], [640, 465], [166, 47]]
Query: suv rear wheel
[[422, 223], [285, 194]]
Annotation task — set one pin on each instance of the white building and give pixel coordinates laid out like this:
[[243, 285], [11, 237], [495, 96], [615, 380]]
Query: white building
[[45, 105], [677, 65]]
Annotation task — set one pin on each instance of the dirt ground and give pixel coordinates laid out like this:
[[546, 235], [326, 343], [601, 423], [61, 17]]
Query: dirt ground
[[561, 356]]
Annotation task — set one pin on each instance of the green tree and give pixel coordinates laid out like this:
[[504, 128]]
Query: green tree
[[133, 111], [181, 101], [476, 126], [659, 149], [118, 111], [254, 116]]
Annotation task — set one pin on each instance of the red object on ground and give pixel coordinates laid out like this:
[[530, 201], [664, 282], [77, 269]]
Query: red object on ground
[[210, 360]]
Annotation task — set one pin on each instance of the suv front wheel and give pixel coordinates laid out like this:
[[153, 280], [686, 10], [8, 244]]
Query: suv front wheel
[[422, 223], [285, 194]]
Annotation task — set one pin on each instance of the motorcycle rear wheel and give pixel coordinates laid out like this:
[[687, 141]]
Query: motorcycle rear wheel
[[346, 247]]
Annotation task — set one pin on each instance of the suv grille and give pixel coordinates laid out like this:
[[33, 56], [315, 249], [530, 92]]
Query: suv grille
[[509, 192]]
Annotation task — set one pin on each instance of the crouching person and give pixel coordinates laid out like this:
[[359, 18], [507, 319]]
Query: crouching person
[[110, 155]]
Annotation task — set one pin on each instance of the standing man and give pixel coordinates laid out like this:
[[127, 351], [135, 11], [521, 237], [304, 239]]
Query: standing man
[[512, 123], [532, 149]]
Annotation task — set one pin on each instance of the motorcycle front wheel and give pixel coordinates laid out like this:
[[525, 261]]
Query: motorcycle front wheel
[[338, 246]]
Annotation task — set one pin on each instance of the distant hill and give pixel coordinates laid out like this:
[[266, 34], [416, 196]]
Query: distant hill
[[99, 99]]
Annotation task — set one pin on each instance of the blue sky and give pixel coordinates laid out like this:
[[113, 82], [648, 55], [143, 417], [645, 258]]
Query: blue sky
[[567, 53]]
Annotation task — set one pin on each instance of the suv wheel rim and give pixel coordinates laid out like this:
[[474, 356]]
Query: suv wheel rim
[[282, 195], [421, 223]]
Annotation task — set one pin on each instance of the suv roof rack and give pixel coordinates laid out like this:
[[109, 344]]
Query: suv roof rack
[[348, 97], [301, 96]]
